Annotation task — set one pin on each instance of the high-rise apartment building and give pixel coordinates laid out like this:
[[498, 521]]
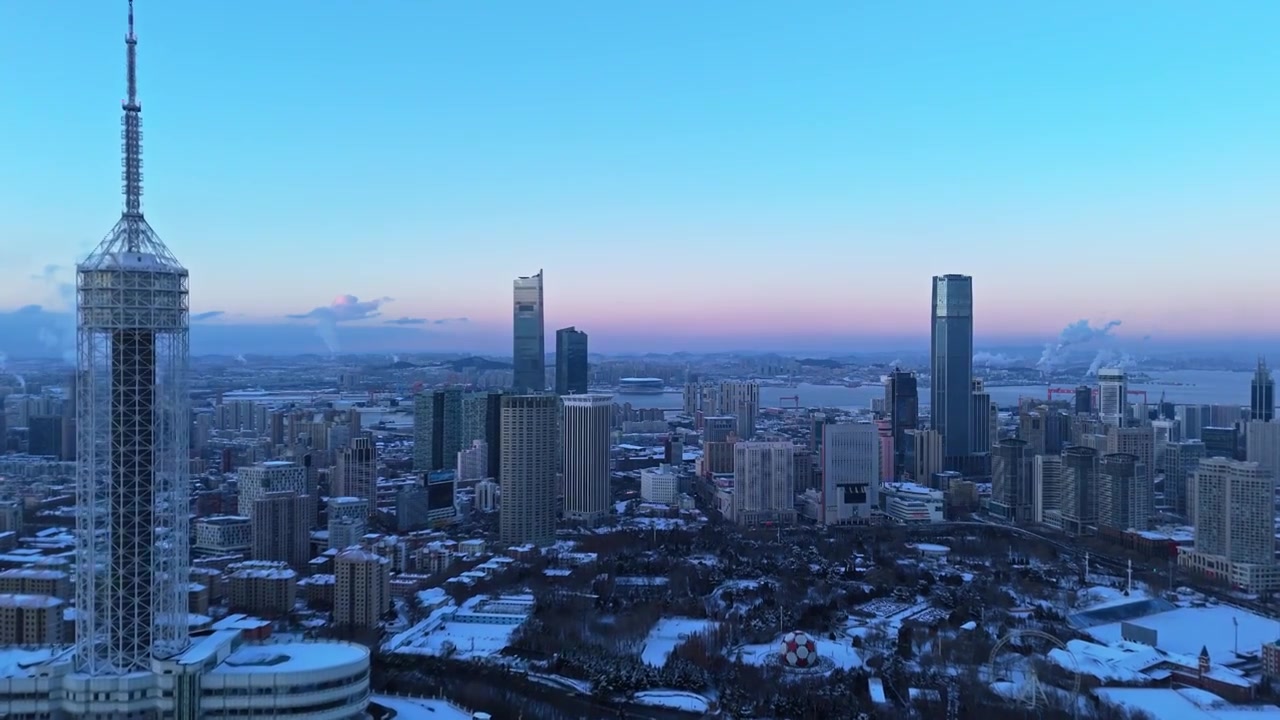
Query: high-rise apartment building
[[924, 455], [280, 527], [473, 462], [1083, 404], [437, 429], [1235, 525], [1262, 394], [254, 481], [1079, 489], [1012, 496], [742, 400], [850, 472], [571, 362], [348, 518], [1046, 483], [1223, 441], [984, 419], [528, 475], [951, 357], [902, 405], [1126, 494], [356, 474], [529, 348], [1138, 441], [763, 484], [1180, 461], [362, 588], [1262, 445], [585, 456], [1032, 429], [1113, 396]]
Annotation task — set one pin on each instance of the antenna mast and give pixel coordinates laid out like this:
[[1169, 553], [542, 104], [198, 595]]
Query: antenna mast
[[132, 144]]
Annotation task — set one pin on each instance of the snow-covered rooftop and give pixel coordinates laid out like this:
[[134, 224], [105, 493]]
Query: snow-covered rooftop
[[290, 657]]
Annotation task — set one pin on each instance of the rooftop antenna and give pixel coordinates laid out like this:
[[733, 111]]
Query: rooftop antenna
[[132, 144]]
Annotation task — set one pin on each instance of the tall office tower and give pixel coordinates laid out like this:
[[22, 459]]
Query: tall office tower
[[1031, 428], [1011, 481], [356, 474], [255, 481], [691, 398], [437, 429], [902, 404], [1194, 419], [1262, 394], [1126, 494], [951, 354], [473, 463], [1079, 489], [850, 472], [924, 455], [742, 400], [44, 435], [1138, 441], [1113, 396], [887, 451], [1220, 442], [1057, 431], [585, 456], [1046, 485], [280, 527], [528, 479], [981, 412], [474, 407], [1180, 460], [133, 420], [1234, 523], [763, 484], [1262, 444], [529, 349], [1084, 400], [571, 361], [276, 423], [361, 588]]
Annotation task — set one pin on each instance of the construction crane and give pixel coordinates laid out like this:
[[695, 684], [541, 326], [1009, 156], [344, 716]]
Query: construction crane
[[795, 400]]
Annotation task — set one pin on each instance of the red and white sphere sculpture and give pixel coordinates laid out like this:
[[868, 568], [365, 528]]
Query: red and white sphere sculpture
[[798, 650]]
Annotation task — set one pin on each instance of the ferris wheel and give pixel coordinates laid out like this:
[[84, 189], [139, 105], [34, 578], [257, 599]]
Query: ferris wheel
[[1017, 677]]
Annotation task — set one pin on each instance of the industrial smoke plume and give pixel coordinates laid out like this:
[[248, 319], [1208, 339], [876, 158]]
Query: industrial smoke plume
[[1079, 332], [344, 308]]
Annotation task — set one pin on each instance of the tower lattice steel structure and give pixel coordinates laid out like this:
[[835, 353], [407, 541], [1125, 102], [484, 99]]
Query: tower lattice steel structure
[[133, 416]]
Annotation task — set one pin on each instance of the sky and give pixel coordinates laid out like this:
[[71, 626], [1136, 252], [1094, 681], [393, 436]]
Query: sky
[[712, 175]]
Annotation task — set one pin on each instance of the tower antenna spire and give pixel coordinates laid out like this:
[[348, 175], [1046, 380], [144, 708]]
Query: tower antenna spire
[[132, 144]]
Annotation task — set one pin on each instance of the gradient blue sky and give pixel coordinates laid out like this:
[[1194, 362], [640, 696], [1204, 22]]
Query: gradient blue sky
[[740, 171]]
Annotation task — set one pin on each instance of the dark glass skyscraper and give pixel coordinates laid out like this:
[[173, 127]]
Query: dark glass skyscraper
[[1262, 395], [951, 357], [571, 361], [902, 403], [529, 347]]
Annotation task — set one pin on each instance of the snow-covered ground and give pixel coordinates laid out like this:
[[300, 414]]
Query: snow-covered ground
[[421, 708], [481, 628], [677, 699], [1184, 704], [667, 634], [1186, 630], [839, 652]]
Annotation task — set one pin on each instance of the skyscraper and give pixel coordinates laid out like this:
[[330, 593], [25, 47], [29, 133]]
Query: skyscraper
[[132, 434], [1126, 494], [1234, 524], [356, 474], [1011, 480], [437, 429], [742, 400], [985, 419], [1079, 489], [1262, 394], [850, 472], [528, 469], [763, 482], [585, 456], [902, 403], [1113, 396], [255, 481], [951, 357], [571, 361], [529, 349]]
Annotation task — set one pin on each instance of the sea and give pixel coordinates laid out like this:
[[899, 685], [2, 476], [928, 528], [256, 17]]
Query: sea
[[1190, 387]]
